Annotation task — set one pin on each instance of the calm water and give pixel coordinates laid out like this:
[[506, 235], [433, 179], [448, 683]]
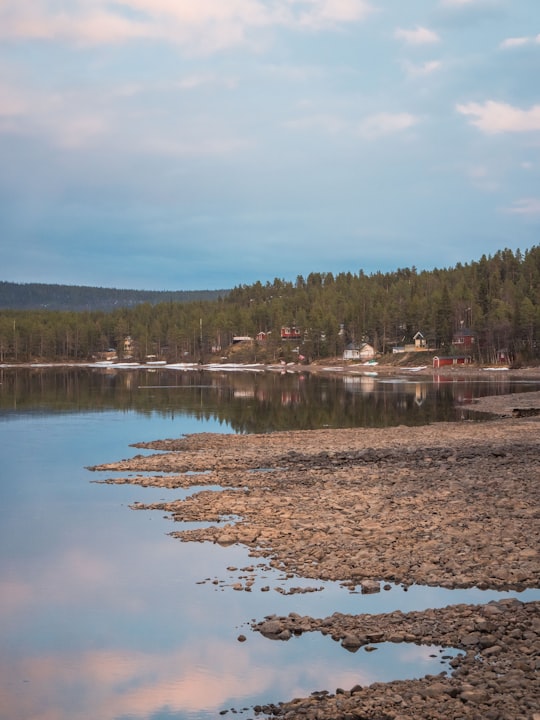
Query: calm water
[[103, 615]]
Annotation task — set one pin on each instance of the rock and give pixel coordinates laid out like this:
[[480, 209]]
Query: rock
[[487, 641], [436, 690], [352, 642], [270, 628], [474, 696], [370, 586], [470, 639], [226, 539]]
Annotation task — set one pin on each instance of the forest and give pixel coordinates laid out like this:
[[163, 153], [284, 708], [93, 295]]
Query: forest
[[37, 296], [497, 298]]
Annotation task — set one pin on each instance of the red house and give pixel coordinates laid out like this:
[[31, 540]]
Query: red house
[[464, 338], [290, 333]]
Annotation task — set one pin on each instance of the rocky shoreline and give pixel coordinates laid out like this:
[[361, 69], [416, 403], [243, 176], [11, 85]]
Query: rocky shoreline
[[448, 504], [495, 677]]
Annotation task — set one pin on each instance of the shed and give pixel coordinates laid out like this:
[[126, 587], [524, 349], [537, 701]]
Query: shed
[[439, 361]]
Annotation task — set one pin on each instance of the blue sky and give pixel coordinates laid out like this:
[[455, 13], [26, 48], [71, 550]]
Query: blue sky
[[202, 144]]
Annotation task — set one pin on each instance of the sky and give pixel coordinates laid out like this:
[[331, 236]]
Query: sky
[[205, 144]]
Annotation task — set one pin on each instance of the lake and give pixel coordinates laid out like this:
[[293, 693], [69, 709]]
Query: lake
[[104, 615]]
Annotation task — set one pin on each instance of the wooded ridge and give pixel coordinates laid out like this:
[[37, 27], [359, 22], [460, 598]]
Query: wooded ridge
[[494, 302], [43, 296]]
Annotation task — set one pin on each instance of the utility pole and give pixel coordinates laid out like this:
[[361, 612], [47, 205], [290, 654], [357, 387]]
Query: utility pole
[[200, 342]]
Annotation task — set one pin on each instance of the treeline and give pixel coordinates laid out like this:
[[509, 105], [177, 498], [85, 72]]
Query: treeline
[[43, 296], [497, 297]]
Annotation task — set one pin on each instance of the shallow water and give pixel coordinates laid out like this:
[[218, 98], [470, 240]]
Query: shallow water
[[103, 615]]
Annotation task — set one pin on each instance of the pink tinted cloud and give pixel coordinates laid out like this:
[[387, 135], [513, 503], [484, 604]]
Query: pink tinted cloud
[[204, 26], [495, 117]]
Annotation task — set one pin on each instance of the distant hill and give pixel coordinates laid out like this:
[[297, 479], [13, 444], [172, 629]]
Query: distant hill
[[42, 296]]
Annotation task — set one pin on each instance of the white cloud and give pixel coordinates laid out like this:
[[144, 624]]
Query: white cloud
[[426, 68], [79, 25], [494, 117], [195, 146], [321, 13], [472, 4], [330, 124], [295, 73], [12, 102], [525, 206], [387, 124], [372, 126], [514, 42], [203, 26], [458, 3], [192, 82], [63, 118], [418, 36], [481, 178]]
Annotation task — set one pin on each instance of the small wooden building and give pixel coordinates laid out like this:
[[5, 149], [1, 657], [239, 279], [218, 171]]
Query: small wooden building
[[440, 361], [464, 338]]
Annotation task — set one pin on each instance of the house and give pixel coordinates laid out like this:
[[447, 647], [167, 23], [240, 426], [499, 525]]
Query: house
[[464, 338], [129, 346], [262, 336], [419, 343], [109, 355], [290, 333], [362, 351]]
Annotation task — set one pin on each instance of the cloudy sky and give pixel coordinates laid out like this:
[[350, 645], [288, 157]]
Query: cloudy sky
[[202, 144]]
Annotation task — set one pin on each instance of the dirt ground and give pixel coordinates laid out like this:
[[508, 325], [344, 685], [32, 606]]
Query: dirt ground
[[449, 504]]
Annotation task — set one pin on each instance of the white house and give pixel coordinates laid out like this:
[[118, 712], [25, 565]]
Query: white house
[[362, 351]]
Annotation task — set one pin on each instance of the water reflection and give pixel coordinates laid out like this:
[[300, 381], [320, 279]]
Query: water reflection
[[249, 401], [103, 615], [116, 683]]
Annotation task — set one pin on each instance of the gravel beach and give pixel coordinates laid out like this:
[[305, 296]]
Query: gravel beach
[[448, 504]]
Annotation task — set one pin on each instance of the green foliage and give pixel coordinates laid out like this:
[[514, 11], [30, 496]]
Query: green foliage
[[497, 297]]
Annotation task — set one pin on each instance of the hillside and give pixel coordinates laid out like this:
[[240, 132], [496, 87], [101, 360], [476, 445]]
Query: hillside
[[487, 309], [42, 296]]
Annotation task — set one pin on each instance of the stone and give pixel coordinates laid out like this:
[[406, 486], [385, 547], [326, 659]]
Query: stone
[[474, 696], [436, 690], [270, 627], [352, 642], [370, 586]]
